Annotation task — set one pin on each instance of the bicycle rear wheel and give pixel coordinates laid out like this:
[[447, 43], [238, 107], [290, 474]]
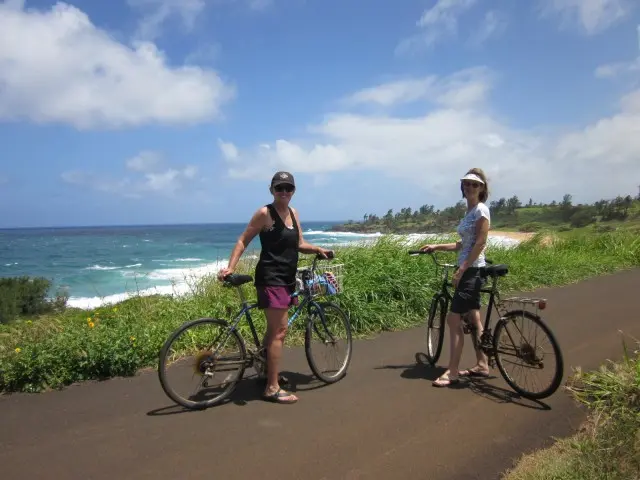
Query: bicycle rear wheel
[[202, 348], [329, 323], [435, 328], [511, 328]]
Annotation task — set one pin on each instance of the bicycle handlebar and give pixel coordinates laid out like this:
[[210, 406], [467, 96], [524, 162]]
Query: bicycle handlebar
[[433, 257]]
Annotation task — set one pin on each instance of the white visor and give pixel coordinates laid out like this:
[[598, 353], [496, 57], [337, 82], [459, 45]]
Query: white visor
[[472, 176]]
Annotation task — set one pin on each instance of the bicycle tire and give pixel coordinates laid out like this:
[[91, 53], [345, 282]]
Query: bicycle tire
[[323, 306], [434, 355], [166, 387], [559, 363]]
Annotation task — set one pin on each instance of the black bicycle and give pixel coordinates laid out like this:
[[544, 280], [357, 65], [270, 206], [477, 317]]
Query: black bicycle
[[509, 326], [220, 347]]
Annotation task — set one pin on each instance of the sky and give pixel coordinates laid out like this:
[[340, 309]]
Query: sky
[[180, 111]]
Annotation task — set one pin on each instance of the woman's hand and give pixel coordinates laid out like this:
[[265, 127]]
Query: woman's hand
[[224, 272], [324, 253], [428, 248], [458, 275]]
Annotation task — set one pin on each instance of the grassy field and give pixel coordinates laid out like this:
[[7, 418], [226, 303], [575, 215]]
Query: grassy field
[[608, 445], [384, 289]]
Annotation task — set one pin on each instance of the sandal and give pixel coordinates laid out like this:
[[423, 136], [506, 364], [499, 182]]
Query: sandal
[[470, 372], [279, 397], [445, 381]]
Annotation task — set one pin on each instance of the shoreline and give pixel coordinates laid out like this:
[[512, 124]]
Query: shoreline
[[181, 284]]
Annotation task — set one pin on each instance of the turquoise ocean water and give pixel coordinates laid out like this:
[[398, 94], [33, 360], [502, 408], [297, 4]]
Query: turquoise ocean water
[[102, 264]]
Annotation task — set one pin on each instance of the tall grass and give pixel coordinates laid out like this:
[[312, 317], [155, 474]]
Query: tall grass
[[384, 289], [608, 447]]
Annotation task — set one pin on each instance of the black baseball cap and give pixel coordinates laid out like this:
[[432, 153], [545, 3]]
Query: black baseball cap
[[282, 177]]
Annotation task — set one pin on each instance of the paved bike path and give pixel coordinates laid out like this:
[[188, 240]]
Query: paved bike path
[[383, 421]]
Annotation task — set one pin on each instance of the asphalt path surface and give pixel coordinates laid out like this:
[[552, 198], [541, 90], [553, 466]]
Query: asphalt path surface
[[384, 420]]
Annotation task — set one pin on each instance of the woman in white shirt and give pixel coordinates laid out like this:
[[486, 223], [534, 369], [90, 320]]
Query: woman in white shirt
[[473, 230]]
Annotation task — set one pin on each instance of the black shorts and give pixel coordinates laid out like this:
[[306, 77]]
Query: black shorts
[[467, 294]]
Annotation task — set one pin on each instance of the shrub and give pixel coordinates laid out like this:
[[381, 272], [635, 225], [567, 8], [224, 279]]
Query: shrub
[[21, 296]]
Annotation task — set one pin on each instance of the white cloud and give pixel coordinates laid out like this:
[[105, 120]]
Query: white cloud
[[436, 23], [145, 161], [229, 150], [621, 69], [493, 25], [594, 16], [157, 12], [260, 5], [57, 67], [153, 178], [613, 70], [464, 88], [429, 151]]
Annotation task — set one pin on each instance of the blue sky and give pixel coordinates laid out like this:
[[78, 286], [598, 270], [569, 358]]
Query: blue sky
[[176, 111]]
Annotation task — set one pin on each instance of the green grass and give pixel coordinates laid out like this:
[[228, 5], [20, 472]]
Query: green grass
[[608, 445], [384, 289]]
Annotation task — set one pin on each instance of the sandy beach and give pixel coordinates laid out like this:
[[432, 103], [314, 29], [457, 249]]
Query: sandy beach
[[519, 236]]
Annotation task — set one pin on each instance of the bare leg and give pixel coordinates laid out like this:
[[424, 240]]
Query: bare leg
[[482, 362], [276, 332], [456, 342]]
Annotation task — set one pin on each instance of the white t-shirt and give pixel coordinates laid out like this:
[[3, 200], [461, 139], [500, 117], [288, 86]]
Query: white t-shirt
[[467, 230]]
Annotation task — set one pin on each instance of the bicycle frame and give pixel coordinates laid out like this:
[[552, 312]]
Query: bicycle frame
[[246, 307], [448, 297]]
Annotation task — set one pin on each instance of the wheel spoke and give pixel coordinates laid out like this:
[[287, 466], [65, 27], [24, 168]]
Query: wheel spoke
[[521, 358], [328, 338], [194, 374]]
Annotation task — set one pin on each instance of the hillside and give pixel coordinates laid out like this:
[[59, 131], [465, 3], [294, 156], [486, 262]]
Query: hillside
[[508, 214]]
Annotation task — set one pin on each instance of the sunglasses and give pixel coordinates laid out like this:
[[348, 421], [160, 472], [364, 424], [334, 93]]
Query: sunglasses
[[471, 184], [284, 188]]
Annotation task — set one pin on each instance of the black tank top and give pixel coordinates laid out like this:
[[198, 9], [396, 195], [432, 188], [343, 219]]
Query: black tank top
[[279, 255]]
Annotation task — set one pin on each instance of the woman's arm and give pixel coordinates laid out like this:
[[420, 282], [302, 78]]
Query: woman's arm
[[443, 247], [257, 223]]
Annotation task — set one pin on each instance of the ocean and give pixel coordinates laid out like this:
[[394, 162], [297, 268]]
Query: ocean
[[100, 265]]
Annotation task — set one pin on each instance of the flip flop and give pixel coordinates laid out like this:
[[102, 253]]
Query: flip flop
[[473, 373], [278, 396], [445, 381]]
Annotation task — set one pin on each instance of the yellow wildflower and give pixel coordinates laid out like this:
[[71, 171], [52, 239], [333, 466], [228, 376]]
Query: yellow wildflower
[[88, 319], [18, 350], [133, 339], [91, 324]]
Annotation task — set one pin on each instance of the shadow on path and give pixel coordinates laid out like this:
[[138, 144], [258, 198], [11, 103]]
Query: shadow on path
[[423, 371], [249, 389]]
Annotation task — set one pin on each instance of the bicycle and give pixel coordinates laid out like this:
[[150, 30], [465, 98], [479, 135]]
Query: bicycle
[[309, 285], [488, 341]]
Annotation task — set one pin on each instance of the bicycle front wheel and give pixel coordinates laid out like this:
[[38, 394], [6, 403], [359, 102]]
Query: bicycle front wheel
[[435, 328], [524, 355], [194, 355], [329, 326]]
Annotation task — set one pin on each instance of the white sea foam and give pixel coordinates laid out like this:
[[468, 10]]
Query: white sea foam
[[102, 267], [89, 303]]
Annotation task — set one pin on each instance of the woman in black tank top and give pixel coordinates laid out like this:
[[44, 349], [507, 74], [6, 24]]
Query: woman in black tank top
[[281, 240]]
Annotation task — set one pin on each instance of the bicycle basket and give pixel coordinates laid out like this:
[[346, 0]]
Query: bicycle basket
[[327, 280]]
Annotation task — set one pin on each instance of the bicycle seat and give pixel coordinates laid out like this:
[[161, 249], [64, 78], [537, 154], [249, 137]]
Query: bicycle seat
[[236, 279], [499, 270]]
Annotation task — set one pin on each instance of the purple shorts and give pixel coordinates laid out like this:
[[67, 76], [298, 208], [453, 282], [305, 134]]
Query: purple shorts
[[275, 297]]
